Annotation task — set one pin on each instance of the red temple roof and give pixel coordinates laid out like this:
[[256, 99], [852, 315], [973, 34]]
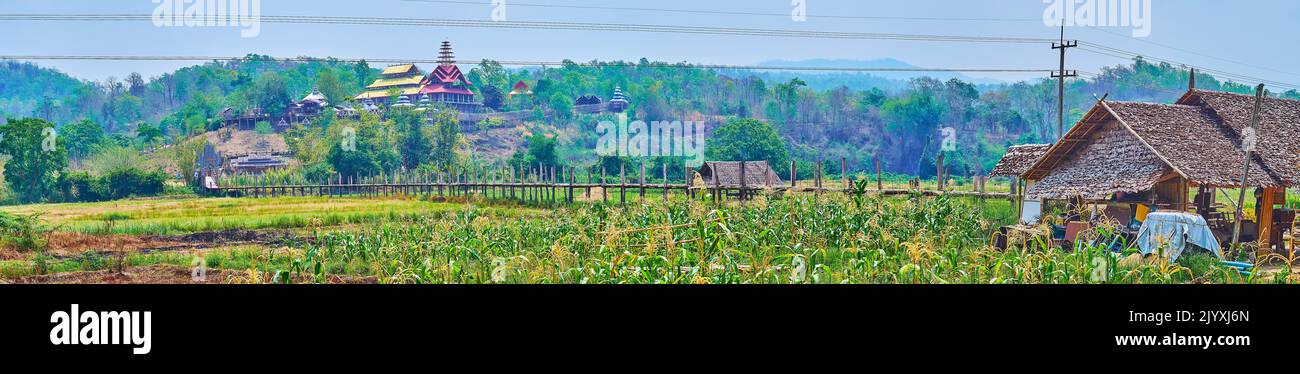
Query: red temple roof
[[448, 74]]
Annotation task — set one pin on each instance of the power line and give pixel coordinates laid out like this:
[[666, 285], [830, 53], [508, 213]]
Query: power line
[[1194, 52], [572, 26], [510, 63], [1129, 55], [736, 13], [1120, 53]]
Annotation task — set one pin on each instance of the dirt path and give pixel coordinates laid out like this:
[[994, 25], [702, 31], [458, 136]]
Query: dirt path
[[169, 274], [67, 244]]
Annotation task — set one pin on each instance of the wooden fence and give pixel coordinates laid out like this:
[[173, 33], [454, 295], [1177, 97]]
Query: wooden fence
[[550, 185]]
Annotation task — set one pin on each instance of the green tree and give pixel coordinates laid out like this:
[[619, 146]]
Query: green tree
[[329, 85], [271, 93], [747, 140], [37, 158], [147, 133], [446, 132], [362, 72], [82, 137], [493, 97], [562, 105], [541, 149], [416, 147], [368, 150]]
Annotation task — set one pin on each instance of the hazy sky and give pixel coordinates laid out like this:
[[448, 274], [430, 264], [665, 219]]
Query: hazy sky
[[1202, 32]]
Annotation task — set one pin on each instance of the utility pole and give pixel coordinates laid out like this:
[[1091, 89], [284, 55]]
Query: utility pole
[[1060, 76], [1248, 140]]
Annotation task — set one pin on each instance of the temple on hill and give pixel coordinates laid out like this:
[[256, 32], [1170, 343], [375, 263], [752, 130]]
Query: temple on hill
[[444, 85], [618, 103]]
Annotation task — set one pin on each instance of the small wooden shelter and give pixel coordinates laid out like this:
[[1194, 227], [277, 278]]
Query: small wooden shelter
[[1019, 159], [739, 174], [1015, 163]]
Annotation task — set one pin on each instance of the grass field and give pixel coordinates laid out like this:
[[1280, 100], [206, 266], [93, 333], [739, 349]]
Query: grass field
[[182, 216], [830, 238]]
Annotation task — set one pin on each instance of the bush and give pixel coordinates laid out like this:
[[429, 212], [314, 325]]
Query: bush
[[19, 232], [264, 128], [128, 182], [81, 186], [319, 173], [119, 183]]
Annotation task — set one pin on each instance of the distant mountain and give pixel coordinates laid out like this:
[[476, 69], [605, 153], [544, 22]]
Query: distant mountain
[[882, 63]]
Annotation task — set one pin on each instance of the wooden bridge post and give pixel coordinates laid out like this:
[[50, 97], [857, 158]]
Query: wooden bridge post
[[939, 177], [642, 186], [665, 191], [717, 186], [622, 183], [844, 174], [743, 183], [688, 178], [794, 176], [880, 181]]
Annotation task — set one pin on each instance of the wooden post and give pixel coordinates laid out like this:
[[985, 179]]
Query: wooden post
[[622, 183], [665, 191], [817, 176], [880, 181], [642, 187], [939, 177], [844, 174], [794, 176], [743, 183], [1245, 173], [717, 184]]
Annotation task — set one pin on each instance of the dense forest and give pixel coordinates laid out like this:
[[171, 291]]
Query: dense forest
[[854, 116]]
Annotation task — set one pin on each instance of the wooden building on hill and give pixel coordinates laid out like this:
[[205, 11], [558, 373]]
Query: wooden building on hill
[[1156, 154], [403, 79], [618, 103], [444, 85]]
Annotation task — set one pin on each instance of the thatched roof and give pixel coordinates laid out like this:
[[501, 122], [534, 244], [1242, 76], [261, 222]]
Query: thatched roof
[[1019, 159], [1112, 160], [1191, 140], [1126, 144], [1278, 132], [727, 174]]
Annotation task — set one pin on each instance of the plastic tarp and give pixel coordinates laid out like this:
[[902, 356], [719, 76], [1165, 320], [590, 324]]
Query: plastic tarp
[[1173, 231]]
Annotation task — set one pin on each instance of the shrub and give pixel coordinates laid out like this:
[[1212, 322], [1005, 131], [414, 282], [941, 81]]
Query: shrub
[[124, 183], [264, 128], [81, 186], [119, 183], [319, 173], [19, 232]]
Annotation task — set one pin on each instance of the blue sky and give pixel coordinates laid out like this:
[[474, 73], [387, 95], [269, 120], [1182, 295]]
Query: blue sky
[[1259, 33]]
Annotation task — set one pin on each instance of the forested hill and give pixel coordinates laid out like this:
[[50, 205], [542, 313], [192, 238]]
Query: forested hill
[[858, 118]]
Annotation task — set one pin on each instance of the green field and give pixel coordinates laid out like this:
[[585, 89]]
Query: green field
[[827, 239]]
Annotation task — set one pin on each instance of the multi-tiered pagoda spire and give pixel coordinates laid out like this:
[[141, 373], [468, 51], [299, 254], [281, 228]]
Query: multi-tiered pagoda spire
[[445, 55]]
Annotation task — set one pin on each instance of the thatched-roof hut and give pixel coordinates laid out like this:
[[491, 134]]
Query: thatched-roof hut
[[1160, 151], [1019, 159], [727, 174], [1130, 147]]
